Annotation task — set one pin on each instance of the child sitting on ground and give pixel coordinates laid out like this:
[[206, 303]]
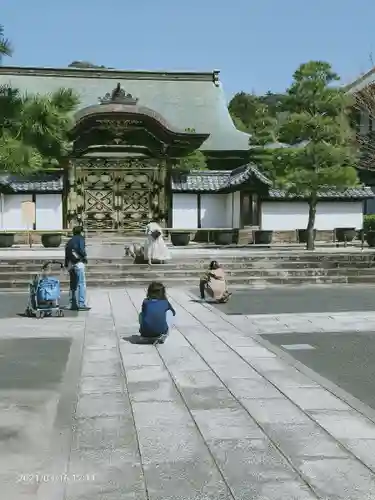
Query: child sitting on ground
[[153, 317]]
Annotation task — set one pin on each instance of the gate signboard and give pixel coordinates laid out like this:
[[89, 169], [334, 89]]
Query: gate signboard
[[28, 214], [28, 217]]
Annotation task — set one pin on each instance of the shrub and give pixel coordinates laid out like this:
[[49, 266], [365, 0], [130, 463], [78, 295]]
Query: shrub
[[369, 223]]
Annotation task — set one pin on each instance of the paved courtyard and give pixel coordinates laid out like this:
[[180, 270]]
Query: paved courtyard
[[299, 299], [217, 412]]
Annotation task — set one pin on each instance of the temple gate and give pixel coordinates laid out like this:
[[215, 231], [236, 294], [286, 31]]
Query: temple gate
[[119, 168]]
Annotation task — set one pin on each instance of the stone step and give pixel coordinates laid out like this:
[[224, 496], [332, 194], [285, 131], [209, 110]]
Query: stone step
[[193, 282], [126, 266], [365, 258], [160, 273]]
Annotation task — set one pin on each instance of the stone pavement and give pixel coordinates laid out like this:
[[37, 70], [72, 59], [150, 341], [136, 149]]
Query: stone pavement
[[213, 414]]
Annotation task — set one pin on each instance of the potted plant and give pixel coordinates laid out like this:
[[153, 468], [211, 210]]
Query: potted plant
[[369, 229], [6, 240], [302, 235], [262, 237], [223, 236], [180, 238], [343, 234], [51, 240]]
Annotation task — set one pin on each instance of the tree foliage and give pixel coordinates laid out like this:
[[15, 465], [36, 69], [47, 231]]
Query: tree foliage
[[86, 65], [264, 136], [33, 128], [5, 45], [321, 152], [244, 108], [193, 161]]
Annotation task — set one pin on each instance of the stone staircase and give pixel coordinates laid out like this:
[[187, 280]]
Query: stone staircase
[[255, 270]]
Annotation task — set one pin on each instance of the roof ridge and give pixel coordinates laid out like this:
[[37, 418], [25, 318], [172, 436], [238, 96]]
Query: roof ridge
[[210, 76], [360, 79], [210, 172]]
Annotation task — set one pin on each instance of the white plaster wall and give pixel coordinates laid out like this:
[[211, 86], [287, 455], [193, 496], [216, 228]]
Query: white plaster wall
[[12, 219], [229, 209], [184, 211], [49, 211], [214, 211], [286, 216]]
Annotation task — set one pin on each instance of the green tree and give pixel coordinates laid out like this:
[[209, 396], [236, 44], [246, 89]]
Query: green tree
[[322, 153], [244, 108], [193, 161], [5, 45], [33, 128], [263, 139], [86, 65]]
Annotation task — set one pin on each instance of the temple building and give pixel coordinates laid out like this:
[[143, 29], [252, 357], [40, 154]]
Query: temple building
[[130, 131]]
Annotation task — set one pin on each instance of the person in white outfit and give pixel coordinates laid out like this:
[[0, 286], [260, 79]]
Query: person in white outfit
[[155, 249]]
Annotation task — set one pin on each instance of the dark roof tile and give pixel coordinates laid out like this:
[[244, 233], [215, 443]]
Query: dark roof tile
[[37, 183], [358, 193], [220, 180], [213, 180], [216, 180]]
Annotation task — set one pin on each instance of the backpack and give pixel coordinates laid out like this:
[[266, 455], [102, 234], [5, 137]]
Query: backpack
[[48, 290]]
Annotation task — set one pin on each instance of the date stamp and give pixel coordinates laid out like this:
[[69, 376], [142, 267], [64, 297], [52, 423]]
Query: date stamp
[[57, 478]]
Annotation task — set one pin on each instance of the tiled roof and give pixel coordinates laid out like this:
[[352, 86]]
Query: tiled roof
[[358, 193], [48, 183], [200, 181], [222, 180], [243, 174], [185, 100], [215, 180]]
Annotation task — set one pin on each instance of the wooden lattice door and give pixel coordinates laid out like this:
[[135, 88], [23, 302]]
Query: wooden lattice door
[[133, 194], [114, 195]]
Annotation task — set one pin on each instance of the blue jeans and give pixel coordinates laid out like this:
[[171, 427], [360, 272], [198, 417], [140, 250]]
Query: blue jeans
[[77, 286]]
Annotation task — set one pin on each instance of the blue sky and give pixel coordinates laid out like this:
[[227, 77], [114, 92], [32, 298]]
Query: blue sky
[[256, 44]]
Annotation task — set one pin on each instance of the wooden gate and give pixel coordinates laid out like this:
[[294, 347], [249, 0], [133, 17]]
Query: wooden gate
[[114, 195]]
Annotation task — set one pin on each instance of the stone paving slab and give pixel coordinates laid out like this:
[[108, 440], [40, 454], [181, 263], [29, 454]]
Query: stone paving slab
[[211, 414]]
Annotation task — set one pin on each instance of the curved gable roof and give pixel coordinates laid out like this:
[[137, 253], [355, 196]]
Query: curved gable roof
[[194, 101]]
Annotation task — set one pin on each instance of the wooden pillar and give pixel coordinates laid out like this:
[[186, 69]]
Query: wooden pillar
[[159, 191], [74, 197], [168, 193], [199, 211], [249, 209], [245, 209]]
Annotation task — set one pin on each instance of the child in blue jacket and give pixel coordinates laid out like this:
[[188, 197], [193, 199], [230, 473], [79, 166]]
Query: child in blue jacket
[[153, 317]]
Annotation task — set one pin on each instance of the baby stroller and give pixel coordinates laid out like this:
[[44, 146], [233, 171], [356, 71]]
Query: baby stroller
[[44, 293]]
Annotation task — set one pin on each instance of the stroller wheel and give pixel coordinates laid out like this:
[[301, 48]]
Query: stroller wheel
[[60, 313], [39, 314], [27, 312]]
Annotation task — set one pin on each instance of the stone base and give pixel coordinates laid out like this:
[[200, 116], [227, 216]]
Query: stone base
[[246, 236]]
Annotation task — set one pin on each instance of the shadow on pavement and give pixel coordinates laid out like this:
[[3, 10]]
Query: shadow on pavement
[[14, 304], [299, 299]]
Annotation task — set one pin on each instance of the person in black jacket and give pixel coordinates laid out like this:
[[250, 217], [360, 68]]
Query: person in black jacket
[[75, 261]]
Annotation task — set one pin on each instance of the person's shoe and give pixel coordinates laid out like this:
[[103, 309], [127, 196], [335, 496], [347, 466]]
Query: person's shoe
[[84, 308], [161, 339]]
